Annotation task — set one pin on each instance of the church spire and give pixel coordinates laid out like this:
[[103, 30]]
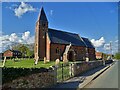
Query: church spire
[[42, 16]]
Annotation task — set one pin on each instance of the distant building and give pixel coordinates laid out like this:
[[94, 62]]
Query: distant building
[[56, 44], [12, 53], [99, 55]]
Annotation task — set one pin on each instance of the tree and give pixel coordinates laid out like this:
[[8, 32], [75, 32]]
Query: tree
[[117, 56], [105, 56], [30, 53], [23, 50]]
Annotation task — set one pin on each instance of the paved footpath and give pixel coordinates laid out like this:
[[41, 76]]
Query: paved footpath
[[109, 79], [82, 80]]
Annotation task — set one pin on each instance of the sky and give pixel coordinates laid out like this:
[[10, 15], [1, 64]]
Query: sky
[[97, 21]]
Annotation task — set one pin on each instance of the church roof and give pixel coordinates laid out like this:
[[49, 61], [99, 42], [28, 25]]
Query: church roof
[[88, 42], [61, 37], [42, 16]]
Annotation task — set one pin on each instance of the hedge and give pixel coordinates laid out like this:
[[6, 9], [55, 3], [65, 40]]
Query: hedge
[[9, 74]]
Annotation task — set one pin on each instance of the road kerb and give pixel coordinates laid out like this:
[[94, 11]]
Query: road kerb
[[93, 77]]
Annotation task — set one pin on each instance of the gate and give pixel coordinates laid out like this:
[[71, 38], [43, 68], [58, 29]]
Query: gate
[[64, 72]]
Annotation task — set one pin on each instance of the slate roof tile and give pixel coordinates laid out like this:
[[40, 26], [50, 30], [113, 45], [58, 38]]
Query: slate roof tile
[[61, 37]]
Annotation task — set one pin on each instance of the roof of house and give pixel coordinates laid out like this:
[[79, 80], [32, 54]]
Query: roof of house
[[15, 51], [88, 42], [42, 16], [61, 37]]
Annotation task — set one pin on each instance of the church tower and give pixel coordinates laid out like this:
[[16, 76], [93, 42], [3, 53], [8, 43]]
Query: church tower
[[40, 36]]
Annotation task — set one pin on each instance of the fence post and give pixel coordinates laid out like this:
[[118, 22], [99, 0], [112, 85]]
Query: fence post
[[70, 69], [55, 75], [62, 73]]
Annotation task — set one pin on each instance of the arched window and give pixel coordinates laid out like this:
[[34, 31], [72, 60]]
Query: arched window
[[57, 50]]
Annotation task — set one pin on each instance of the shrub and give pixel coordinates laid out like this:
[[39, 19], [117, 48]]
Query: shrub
[[9, 74]]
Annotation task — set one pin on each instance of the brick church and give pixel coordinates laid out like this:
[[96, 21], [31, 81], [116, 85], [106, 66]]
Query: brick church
[[52, 44]]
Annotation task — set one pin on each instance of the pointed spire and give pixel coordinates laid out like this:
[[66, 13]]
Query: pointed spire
[[42, 16]]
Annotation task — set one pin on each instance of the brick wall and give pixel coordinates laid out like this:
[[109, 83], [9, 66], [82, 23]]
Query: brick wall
[[48, 48], [40, 39], [8, 53], [91, 53], [53, 54], [80, 51]]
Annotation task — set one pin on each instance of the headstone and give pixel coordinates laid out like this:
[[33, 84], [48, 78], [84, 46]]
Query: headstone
[[87, 59], [36, 61], [61, 58], [45, 60], [57, 61], [4, 61]]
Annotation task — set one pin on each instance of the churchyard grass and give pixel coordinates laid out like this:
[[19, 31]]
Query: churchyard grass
[[27, 63], [1, 63]]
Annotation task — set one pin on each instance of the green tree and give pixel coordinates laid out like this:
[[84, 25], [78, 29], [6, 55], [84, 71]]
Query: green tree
[[23, 50], [117, 56], [105, 56], [30, 53]]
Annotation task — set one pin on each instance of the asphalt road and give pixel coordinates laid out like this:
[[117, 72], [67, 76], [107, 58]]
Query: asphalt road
[[108, 79]]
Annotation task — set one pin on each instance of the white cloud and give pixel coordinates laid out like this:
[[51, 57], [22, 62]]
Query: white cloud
[[107, 47], [13, 37], [20, 41], [23, 8], [8, 40], [98, 43], [26, 35], [31, 40], [113, 46]]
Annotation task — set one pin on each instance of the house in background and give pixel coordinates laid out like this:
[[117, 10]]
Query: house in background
[[55, 44], [99, 55], [103, 56], [12, 53]]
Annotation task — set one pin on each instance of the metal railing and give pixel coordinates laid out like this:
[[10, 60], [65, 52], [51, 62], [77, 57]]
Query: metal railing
[[64, 72]]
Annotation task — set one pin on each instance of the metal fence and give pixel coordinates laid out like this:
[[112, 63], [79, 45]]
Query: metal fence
[[64, 72], [68, 70]]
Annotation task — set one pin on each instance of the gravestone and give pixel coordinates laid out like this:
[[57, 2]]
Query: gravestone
[[57, 61]]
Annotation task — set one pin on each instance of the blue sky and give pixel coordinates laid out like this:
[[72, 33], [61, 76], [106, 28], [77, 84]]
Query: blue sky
[[97, 21]]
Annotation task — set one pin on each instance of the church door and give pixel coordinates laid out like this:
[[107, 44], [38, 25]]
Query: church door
[[71, 56]]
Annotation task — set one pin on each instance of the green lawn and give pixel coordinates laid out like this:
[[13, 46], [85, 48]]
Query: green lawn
[[27, 63], [0, 63]]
